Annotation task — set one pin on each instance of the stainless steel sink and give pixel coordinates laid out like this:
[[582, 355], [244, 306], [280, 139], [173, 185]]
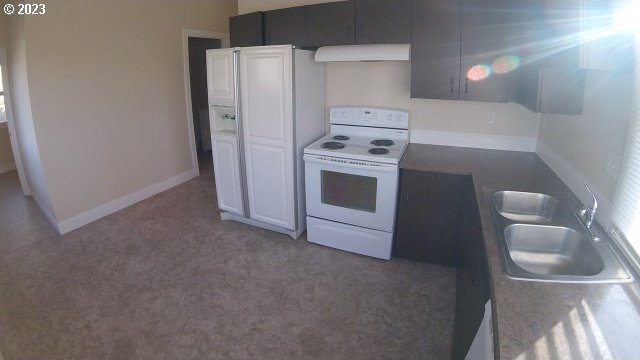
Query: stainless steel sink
[[529, 207], [541, 240], [552, 250]]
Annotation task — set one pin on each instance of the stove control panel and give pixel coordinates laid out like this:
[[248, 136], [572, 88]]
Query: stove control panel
[[369, 116]]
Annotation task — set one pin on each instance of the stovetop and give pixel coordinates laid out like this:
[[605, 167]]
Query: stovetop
[[364, 133], [365, 148]]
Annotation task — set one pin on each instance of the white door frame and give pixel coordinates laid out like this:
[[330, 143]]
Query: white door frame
[[186, 34], [15, 147]]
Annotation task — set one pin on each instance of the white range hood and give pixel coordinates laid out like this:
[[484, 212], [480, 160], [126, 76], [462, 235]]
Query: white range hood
[[384, 52]]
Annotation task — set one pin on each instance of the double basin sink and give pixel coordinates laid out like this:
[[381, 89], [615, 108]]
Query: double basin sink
[[541, 240]]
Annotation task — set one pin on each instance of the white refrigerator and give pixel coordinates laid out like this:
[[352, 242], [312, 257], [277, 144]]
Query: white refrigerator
[[266, 104]]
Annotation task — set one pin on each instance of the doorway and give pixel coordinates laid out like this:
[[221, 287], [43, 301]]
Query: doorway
[[199, 99], [6, 154], [10, 157], [195, 45]]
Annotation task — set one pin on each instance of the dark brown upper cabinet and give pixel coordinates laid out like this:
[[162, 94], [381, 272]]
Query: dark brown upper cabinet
[[551, 78], [383, 21], [527, 87], [487, 57], [526, 83], [562, 79], [435, 49], [331, 24], [462, 50], [286, 26], [246, 29]]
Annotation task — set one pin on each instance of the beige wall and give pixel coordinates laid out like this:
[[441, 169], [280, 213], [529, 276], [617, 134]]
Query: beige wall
[[583, 141], [247, 6], [107, 94], [4, 27], [387, 84]]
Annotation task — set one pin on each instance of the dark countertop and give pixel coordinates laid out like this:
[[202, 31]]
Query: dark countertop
[[538, 320]]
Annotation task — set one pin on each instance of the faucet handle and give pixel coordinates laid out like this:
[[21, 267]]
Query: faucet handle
[[594, 203]]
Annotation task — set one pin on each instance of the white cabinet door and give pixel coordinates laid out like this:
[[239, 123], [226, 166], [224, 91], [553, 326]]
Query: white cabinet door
[[226, 167], [220, 80], [267, 125]]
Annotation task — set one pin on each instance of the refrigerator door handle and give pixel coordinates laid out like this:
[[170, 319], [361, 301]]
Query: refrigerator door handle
[[239, 130]]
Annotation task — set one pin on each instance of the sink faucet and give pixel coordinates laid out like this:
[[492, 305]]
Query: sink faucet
[[585, 216]]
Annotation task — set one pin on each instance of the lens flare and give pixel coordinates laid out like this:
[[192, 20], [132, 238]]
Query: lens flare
[[505, 64], [626, 18], [479, 72]]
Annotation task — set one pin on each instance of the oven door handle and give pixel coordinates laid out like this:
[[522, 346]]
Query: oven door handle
[[350, 164]]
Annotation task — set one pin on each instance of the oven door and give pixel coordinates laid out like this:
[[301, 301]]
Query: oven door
[[352, 192]]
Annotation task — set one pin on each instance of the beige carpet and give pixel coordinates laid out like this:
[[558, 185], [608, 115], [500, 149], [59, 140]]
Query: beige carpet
[[166, 279]]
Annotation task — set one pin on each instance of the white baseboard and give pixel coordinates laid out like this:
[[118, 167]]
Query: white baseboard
[[575, 181], [45, 210], [7, 167], [109, 208], [481, 141]]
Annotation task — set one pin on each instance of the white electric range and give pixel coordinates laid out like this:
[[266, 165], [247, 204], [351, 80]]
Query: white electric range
[[351, 180]]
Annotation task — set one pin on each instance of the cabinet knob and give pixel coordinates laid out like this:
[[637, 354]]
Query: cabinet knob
[[452, 84], [466, 85]]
